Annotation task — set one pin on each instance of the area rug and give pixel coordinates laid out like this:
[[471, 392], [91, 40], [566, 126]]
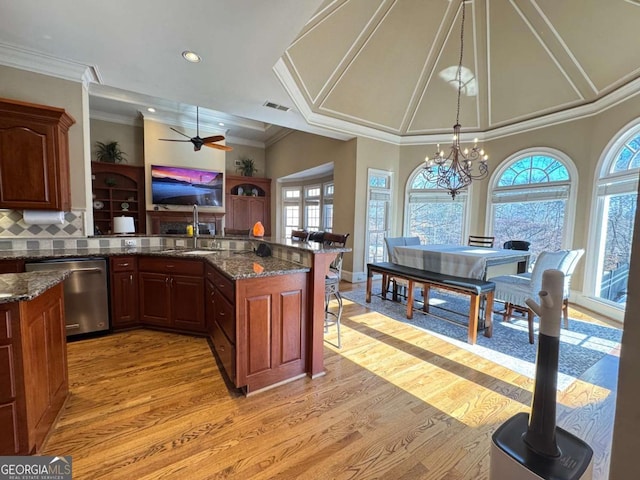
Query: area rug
[[581, 346]]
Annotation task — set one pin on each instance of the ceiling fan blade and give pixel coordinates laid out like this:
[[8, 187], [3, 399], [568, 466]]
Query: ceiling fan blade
[[219, 147], [212, 139], [178, 131], [173, 140]]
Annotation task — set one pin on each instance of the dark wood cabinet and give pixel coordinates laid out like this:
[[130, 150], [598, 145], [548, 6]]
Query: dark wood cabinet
[[171, 293], [124, 292], [34, 157], [117, 190], [248, 200], [271, 323], [258, 327], [33, 370], [11, 266]]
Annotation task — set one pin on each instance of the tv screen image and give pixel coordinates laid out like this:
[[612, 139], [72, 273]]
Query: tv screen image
[[186, 186]]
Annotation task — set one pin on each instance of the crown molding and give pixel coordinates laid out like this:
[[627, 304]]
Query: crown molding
[[24, 59], [114, 118]]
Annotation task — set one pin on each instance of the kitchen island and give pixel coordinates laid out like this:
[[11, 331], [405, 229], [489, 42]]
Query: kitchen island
[[264, 315], [33, 359]]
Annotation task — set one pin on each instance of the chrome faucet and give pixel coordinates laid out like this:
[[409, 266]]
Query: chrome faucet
[[196, 228]]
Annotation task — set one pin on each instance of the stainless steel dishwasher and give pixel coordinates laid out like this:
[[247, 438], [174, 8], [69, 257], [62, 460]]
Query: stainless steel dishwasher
[[86, 303]]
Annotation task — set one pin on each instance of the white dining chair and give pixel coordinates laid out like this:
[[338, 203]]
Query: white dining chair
[[514, 290]]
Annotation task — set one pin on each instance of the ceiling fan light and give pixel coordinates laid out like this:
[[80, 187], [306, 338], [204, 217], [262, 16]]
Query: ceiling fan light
[[192, 57]]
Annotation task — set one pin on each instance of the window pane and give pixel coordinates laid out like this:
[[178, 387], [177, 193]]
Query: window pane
[[629, 156], [328, 217], [313, 192], [540, 223], [292, 194], [534, 169], [313, 217], [377, 227], [618, 232], [380, 181], [436, 222]]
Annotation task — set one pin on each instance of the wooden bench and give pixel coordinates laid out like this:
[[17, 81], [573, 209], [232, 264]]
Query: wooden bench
[[476, 289]]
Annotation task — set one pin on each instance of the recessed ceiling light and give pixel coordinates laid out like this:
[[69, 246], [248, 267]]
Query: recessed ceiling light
[[221, 124], [192, 57], [151, 109]]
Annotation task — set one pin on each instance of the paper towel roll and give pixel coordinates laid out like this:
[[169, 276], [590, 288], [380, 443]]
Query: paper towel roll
[[42, 217]]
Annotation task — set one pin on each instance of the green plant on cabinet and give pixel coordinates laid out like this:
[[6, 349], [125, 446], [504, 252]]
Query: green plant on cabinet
[[109, 152]]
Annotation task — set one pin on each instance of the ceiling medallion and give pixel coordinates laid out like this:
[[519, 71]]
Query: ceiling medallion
[[454, 171]]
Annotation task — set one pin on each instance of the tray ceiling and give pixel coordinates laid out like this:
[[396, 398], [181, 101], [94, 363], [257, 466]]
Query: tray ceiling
[[379, 68], [391, 65]]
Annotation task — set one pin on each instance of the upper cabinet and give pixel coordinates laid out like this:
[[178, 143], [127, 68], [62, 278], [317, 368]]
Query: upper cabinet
[[34, 157], [248, 200]]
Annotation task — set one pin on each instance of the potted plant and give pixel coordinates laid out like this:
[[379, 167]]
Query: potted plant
[[247, 167], [109, 152]]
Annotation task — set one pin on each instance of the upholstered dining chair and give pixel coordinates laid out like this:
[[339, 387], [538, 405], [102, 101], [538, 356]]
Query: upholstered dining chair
[[479, 241], [299, 235], [514, 290], [522, 245], [396, 283], [517, 245], [332, 282]]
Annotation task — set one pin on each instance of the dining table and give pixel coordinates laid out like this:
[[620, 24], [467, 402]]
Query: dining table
[[457, 260]]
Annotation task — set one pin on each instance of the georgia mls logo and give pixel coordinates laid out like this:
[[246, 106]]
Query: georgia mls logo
[[35, 468], [59, 466]]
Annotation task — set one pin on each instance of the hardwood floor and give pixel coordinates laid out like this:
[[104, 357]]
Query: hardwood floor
[[395, 403]]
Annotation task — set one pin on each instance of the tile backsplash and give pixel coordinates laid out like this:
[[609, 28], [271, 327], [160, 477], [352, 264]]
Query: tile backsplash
[[13, 226]]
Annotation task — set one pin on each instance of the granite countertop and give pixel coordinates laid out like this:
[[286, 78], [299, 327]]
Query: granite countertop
[[18, 287], [235, 264]]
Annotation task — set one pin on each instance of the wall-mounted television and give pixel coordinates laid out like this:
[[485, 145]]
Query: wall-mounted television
[[186, 186]]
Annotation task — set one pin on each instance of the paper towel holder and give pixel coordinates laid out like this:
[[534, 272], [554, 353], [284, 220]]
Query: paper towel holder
[[123, 225]]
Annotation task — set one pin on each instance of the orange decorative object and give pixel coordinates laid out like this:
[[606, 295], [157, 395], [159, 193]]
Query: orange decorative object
[[258, 230], [258, 268]]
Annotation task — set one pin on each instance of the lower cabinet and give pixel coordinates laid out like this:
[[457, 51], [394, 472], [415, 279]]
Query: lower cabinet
[[124, 292], [171, 294], [266, 342], [33, 370]]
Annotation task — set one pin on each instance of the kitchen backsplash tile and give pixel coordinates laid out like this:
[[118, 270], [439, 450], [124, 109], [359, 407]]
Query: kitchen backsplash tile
[[12, 225]]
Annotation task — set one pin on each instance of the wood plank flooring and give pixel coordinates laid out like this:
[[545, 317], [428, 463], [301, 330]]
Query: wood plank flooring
[[395, 403]]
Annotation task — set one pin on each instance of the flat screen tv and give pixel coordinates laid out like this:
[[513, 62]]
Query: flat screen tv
[[186, 186]]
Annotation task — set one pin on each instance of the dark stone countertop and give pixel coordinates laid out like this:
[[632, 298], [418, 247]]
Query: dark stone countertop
[[18, 287], [235, 264]]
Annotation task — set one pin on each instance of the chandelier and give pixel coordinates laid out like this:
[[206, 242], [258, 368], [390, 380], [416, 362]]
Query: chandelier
[[454, 171]]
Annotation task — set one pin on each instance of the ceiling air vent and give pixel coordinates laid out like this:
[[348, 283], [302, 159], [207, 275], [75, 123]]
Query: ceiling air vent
[[282, 108]]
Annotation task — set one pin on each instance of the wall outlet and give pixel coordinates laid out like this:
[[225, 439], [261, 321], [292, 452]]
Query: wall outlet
[[295, 257], [130, 242], [180, 243]]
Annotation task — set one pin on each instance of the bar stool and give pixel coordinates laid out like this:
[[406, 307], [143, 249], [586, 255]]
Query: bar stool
[[332, 282]]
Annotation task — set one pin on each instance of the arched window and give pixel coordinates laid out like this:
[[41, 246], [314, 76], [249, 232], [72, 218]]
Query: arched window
[[431, 214], [615, 207], [532, 199]]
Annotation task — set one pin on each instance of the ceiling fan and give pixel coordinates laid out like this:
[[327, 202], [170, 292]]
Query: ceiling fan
[[197, 141]]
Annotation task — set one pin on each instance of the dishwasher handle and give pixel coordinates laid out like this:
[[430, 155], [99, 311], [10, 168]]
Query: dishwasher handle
[[79, 270]]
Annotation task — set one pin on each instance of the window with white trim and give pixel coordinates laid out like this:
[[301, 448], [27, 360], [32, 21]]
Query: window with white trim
[[530, 201], [312, 208], [309, 207], [431, 214], [327, 207], [291, 200], [379, 194], [616, 203]]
